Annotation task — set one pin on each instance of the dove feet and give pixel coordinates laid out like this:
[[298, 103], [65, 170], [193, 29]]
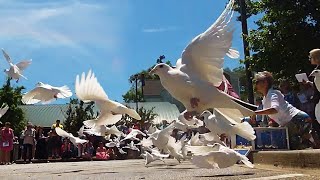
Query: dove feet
[[194, 102]]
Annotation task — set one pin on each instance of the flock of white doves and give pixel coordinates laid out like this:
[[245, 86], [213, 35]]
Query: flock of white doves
[[192, 81]]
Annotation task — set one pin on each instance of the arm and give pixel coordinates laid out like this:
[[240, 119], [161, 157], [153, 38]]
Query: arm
[[266, 111]]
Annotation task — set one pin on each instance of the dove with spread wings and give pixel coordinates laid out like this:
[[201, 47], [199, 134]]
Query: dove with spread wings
[[15, 71], [199, 71]]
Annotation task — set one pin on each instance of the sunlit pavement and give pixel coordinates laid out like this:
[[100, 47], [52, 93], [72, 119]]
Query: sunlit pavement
[[135, 169]]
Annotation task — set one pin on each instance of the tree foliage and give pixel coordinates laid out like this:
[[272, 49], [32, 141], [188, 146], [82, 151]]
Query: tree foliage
[[12, 97], [77, 112], [130, 95], [147, 116], [287, 31]]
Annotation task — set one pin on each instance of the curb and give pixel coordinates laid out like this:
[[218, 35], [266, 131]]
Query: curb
[[293, 158]]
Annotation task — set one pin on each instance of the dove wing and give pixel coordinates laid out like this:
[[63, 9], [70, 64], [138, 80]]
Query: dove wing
[[203, 58], [23, 64]]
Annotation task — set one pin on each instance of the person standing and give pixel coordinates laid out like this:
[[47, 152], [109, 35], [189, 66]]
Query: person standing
[[28, 142], [6, 144]]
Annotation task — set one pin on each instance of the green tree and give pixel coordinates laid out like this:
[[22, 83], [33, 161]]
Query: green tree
[[241, 74], [130, 95], [287, 30], [12, 97], [77, 112], [147, 116]]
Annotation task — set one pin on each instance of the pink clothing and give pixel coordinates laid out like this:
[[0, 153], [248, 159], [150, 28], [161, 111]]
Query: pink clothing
[[6, 143], [230, 89], [102, 153]]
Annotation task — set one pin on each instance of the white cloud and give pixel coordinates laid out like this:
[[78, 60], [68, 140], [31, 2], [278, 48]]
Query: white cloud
[[157, 30], [63, 23]]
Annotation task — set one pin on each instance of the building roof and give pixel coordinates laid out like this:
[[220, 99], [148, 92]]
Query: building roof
[[165, 110], [46, 115]]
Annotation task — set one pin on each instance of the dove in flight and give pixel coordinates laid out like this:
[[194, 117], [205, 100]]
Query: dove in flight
[[3, 110], [153, 156], [199, 71], [45, 94], [88, 89], [216, 156], [15, 71], [132, 135], [102, 130], [74, 140], [219, 124]]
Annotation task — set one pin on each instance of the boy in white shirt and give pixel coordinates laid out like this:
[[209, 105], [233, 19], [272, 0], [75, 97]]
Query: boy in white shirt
[[298, 122]]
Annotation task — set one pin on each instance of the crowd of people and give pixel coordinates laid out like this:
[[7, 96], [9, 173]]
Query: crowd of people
[[283, 105], [34, 143]]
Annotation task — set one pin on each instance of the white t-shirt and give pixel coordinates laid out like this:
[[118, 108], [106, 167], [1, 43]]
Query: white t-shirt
[[275, 99]]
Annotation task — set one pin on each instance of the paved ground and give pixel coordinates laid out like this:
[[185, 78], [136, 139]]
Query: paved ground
[[135, 169]]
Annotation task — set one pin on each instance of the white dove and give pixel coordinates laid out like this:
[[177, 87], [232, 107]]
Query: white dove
[[199, 71], [316, 74], [74, 140], [184, 125], [3, 110], [80, 132], [102, 130], [160, 138], [152, 129], [46, 93], [132, 135], [210, 138], [131, 146], [115, 143], [216, 156], [15, 71], [219, 124], [195, 140], [153, 156], [175, 148], [89, 89]]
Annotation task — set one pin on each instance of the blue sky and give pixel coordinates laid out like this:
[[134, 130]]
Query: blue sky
[[114, 38]]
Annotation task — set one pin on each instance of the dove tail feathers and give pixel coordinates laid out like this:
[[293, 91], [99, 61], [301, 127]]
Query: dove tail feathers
[[232, 53], [245, 130], [247, 163]]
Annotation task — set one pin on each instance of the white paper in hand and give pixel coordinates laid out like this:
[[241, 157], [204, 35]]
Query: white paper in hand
[[302, 76]]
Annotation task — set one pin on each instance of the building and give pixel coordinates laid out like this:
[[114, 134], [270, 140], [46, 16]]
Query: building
[[46, 115]]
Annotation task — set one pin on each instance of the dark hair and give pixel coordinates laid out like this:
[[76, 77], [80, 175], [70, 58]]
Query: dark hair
[[7, 124], [264, 76]]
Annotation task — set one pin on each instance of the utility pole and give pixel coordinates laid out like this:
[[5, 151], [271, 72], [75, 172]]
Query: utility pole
[[242, 5], [136, 97]]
